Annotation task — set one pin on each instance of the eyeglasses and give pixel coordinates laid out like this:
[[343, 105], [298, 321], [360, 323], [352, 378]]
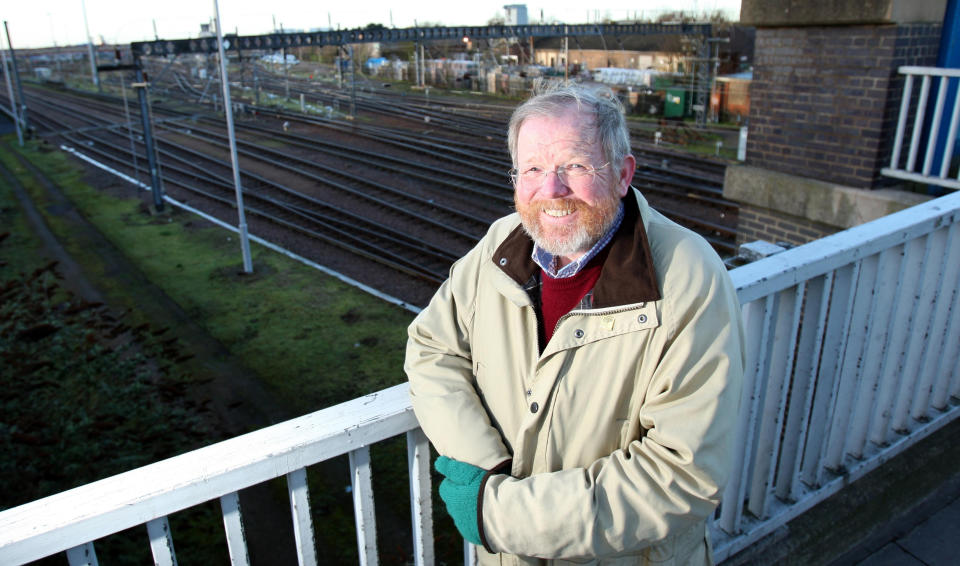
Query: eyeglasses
[[571, 175]]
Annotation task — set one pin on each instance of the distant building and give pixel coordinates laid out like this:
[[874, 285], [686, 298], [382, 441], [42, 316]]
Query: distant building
[[592, 52], [730, 99], [516, 15]]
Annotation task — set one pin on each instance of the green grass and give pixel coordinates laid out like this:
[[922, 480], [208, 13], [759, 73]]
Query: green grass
[[314, 340]]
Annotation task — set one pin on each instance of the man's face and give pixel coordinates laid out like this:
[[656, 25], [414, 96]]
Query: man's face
[[567, 219]]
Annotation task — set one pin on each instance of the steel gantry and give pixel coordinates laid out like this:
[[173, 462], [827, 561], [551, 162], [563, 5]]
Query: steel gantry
[[420, 35], [163, 47]]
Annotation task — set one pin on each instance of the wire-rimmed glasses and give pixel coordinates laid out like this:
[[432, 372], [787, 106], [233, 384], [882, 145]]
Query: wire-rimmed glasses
[[571, 175]]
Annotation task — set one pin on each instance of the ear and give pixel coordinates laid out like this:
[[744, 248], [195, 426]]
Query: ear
[[626, 175]]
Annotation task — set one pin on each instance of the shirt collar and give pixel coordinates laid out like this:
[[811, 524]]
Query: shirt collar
[[549, 263]]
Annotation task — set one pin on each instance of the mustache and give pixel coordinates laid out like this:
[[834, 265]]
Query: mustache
[[573, 204]]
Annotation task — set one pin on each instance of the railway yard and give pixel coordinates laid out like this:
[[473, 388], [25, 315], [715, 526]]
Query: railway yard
[[390, 197]]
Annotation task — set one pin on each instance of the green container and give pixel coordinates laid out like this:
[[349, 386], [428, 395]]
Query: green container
[[662, 82], [675, 103]]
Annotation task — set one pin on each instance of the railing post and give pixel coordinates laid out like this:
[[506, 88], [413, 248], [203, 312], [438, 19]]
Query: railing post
[[837, 294], [83, 555], [918, 123], [803, 384], [784, 308], [731, 511], [233, 525], [902, 121], [915, 385], [302, 522], [421, 508], [906, 315], [944, 325], [849, 374], [469, 554], [883, 304], [951, 136], [161, 542], [361, 481], [935, 125]]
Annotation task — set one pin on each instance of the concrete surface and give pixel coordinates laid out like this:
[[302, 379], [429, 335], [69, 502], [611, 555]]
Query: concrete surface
[[934, 541], [819, 201], [906, 512], [833, 12]]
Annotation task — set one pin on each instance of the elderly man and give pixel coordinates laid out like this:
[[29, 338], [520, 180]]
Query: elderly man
[[579, 372]]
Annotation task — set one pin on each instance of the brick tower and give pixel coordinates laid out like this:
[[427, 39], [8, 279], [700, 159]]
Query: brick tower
[[825, 97]]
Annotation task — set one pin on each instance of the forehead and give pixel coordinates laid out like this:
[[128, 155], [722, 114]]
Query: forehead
[[571, 131]]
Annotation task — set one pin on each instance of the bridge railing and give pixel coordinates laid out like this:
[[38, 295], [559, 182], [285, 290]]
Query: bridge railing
[[853, 344], [70, 521], [926, 158]]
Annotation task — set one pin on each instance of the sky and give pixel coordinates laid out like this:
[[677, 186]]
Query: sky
[[44, 23]]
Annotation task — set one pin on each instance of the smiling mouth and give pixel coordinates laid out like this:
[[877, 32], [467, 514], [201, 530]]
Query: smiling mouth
[[558, 212]]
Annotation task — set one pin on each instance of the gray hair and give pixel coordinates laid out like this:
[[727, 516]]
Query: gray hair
[[552, 98]]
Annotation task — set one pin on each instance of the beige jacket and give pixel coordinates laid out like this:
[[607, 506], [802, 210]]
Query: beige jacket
[[620, 431]]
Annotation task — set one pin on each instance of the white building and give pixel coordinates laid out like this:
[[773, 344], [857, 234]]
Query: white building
[[516, 15]]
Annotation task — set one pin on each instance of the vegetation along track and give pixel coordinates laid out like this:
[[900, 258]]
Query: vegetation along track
[[407, 197]]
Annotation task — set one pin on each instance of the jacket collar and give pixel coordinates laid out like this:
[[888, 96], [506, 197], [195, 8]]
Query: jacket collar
[[627, 277]]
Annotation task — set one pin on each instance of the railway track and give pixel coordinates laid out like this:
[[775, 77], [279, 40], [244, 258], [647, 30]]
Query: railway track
[[204, 179], [406, 196]]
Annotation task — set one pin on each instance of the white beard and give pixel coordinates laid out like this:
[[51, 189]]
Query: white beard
[[595, 222]]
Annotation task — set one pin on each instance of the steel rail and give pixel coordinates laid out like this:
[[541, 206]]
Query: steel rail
[[372, 159], [257, 152], [372, 249], [656, 180]]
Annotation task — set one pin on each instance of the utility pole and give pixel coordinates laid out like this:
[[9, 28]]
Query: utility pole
[[353, 84], [423, 67], [256, 84], [228, 112], [21, 110], [416, 63], [339, 66], [286, 70], [155, 181], [13, 100], [93, 60]]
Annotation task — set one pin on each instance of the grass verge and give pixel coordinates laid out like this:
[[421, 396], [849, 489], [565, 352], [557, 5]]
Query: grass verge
[[312, 340]]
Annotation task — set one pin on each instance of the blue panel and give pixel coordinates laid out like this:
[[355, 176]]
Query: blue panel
[[949, 57]]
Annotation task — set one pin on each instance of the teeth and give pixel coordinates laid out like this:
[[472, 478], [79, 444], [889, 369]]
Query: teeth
[[557, 213]]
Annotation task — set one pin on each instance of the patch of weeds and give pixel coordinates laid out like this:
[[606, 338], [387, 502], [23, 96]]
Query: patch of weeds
[[352, 316], [86, 396]]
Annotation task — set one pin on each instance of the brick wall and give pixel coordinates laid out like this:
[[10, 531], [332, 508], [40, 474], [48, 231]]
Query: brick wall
[[825, 99], [755, 223]]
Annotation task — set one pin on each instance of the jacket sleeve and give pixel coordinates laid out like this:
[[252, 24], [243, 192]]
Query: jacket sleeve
[[670, 476], [439, 367]]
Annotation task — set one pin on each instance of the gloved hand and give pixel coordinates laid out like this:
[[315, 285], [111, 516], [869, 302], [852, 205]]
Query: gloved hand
[[460, 491]]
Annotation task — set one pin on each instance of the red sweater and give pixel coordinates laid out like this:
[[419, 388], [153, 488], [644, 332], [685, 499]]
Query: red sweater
[[558, 296]]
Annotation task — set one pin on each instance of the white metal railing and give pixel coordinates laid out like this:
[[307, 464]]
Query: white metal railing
[[853, 344], [947, 80], [71, 520]]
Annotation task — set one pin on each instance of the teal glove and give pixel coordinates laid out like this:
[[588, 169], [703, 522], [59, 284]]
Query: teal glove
[[460, 491]]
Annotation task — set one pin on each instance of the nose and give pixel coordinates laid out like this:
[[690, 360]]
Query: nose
[[552, 186]]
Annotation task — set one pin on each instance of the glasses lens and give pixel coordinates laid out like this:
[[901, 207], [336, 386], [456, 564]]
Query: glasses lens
[[569, 175]]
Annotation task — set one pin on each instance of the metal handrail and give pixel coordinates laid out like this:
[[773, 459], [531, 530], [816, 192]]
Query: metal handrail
[[947, 80], [832, 390]]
